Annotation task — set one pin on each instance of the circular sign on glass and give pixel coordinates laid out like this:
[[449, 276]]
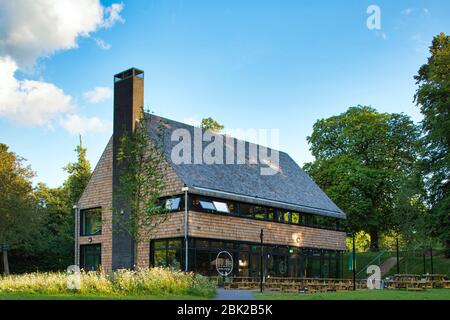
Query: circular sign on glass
[[224, 263]]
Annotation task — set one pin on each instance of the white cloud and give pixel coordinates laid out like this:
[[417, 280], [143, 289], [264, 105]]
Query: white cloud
[[97, 95], [407, 11], [39, 28], [76, 124], [113, 15], [102, 44], [30, 102], [421, 12], [31, 29]]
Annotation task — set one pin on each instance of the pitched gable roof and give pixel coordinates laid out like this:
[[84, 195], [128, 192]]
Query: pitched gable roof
[[290, 188]]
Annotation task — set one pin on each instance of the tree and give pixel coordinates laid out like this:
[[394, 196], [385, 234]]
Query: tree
[[141, 181], [79, 175], [38, 223], [211, 124], [362, 156], [411, 213], [433, 97], [56, 240], [16, 205]]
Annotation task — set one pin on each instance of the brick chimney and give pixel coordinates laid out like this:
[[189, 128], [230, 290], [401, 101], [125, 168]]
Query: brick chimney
[[128, 103]]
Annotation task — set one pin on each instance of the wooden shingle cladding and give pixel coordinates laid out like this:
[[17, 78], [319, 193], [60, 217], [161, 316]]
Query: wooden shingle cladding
[[98, 193], [216, 226]]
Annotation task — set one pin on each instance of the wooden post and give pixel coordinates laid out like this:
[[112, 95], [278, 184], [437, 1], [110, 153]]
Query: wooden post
[[261, 262]]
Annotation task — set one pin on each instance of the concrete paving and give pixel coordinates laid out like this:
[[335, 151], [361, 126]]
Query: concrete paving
[[223, 294]]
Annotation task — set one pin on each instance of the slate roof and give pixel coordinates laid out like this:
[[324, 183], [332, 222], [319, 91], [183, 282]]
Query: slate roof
[[290, 188]]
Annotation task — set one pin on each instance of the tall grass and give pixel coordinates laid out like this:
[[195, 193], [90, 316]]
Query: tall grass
[[154, 281]]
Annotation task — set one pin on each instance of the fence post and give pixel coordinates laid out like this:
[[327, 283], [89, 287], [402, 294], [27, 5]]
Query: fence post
[[431, 257], [354, 263], [424, 262], [398, 259]]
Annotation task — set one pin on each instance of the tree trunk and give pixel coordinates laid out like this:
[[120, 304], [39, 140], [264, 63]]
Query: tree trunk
[[5, 261], [374, 241]]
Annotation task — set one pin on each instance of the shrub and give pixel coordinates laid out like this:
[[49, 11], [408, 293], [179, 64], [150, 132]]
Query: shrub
[[153, 281], [93, 282]]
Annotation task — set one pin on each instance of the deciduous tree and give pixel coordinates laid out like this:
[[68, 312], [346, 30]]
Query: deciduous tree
[[16, 205], [79, 175], [362, 157], [433, 97], [211, 124]]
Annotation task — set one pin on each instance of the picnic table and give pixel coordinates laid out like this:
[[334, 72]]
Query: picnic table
[[308, 285], [406, 281], [446, 284], [436, 280], [243, 283]]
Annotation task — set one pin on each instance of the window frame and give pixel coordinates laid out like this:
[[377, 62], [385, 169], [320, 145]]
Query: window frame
[[265, 213], [83, 222], [83, 255]]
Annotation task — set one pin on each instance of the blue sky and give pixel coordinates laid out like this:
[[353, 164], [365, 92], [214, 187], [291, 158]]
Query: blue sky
[[248, 64]]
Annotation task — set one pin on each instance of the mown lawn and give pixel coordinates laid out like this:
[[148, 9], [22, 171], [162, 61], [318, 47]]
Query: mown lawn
[[67, 296], [430, 294]]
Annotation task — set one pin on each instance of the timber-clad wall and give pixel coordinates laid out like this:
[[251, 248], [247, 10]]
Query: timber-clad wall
[[208, 225], [215, 226], [98, 193], [172, 227]]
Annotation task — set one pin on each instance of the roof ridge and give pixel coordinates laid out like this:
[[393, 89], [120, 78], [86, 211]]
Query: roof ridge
[[221, 134]]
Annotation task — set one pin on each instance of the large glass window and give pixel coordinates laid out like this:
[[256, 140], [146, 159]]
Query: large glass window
[[203, 262], [213, 205], [246, 210], [293, 264], [325, 265], [173, 204], [244, 264], [278, 261], [207, 205], [90, 257], [316, 264], [167, 253], [221, 206], [272, 214], [260, 212], [295, 218], [91, 222]]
